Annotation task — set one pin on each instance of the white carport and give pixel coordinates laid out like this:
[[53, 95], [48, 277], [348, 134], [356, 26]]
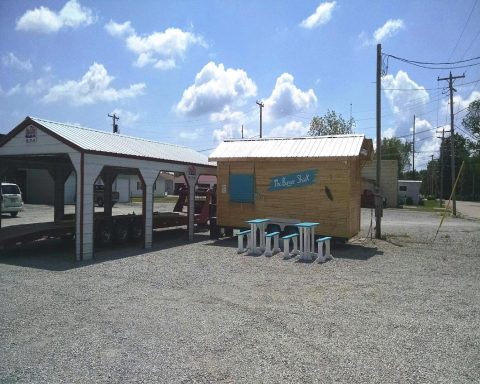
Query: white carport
[[93, 153]]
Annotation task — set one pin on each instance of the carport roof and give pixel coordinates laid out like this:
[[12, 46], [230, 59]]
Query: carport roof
[[113, 144]]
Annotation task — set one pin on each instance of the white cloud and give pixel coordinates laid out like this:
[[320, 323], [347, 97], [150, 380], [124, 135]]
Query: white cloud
[[44, 20], [290, 129], [387, 30], [161, 49], [232, 125], [404, 103], [460, 102], [388, 133], [194, 134], [12, 61], [31, 88], [322, 15], [93, 87], [215, 88], [287, 99], [119, 30]]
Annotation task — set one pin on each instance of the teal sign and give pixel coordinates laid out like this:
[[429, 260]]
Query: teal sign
[[293, 180]]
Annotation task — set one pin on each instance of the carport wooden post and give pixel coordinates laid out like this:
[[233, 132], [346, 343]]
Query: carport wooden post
[[191, 178], [90, 174], [86, 175], [149, 177], [60, 175]]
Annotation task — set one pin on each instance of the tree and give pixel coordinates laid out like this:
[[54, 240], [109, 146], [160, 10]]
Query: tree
[[395, 149], [471, 122], [464, 187], [331, 124]]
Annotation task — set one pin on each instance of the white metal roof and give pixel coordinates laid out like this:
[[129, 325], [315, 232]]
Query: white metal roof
[[299, 147], [112, 143]]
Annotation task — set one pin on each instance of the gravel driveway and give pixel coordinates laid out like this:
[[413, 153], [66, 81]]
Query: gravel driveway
[[404, 310]]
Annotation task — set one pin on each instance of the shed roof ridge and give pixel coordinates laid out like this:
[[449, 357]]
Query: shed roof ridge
[[38, 119], [296, 138]]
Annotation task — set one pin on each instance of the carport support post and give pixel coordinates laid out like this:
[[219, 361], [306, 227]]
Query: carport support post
[[191, 181], [108, 178], [149, 177], [59, 175]]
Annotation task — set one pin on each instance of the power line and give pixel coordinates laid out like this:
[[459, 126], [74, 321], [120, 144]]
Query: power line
[[463, 30], [432, 63]]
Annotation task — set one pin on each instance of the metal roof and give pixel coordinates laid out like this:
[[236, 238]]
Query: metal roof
[[93, 140], [299, 147]]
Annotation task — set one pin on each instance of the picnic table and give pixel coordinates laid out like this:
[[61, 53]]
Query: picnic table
[[307, 240], [261, 225]]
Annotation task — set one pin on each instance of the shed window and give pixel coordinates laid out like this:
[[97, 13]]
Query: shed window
[[402, 188], [241, 188]]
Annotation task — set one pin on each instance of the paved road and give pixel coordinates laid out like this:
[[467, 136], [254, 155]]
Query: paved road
[[469, 209]]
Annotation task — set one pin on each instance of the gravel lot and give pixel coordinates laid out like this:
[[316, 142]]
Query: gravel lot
[[404, 310]]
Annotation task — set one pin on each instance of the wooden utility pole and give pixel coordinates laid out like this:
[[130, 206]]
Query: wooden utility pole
[[452, 135], [441, 167], [413, 149], [378, 199], [261, 105], [431, 176], [114, 123], [242, 131]]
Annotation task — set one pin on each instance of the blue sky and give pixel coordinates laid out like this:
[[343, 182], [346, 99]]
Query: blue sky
[[189, 72]]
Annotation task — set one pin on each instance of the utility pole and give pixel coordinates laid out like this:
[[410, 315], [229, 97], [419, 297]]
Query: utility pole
[[114, 122], [431, 176], [378, 199], [441, 167], [261, 105], [452, 135], [242, 131], [413, 145]]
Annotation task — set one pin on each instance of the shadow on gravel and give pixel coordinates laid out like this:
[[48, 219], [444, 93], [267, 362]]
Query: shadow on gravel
[[354, 252], [58, 255]]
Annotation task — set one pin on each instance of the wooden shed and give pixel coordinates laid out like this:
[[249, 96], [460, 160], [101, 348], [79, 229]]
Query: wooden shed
[[315, 179]]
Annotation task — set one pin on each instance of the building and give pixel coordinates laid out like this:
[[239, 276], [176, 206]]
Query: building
[[409, 189], [62, 149], [388, 181], [316, 179]]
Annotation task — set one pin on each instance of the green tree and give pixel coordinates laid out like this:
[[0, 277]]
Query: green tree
[[395, 149], [462, 153], [331, 124], [471, 122]]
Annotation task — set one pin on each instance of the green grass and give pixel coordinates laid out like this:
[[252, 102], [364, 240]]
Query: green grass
[[157, 199], [428, 206]]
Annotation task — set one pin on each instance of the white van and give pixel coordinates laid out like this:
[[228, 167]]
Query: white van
[[11, 198]]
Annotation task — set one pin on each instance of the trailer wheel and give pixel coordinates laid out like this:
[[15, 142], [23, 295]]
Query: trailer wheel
[[13, 214], [121, 231], [136, 230], [105, 234]]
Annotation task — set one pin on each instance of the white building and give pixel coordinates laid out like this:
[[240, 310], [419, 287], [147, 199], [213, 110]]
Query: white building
[[409, 189]]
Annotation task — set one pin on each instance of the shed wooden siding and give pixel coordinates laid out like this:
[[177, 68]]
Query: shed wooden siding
[[340, 217]]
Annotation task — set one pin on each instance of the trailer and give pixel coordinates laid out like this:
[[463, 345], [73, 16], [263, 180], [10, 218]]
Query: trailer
[[108, 230]]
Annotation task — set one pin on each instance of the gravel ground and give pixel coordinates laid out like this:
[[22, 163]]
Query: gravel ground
[[404, 310]]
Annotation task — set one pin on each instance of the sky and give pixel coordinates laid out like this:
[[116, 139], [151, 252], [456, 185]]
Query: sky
[[190, 72]]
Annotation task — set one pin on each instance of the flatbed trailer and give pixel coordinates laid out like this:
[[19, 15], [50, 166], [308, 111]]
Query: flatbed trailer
[[107, 230]]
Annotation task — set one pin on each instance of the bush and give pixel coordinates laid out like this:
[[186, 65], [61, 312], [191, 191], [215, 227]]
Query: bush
[[430, 197], [409, 201], [421, 202]]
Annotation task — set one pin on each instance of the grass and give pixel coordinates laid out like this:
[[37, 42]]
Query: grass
[[158, 199], [428, 206]]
